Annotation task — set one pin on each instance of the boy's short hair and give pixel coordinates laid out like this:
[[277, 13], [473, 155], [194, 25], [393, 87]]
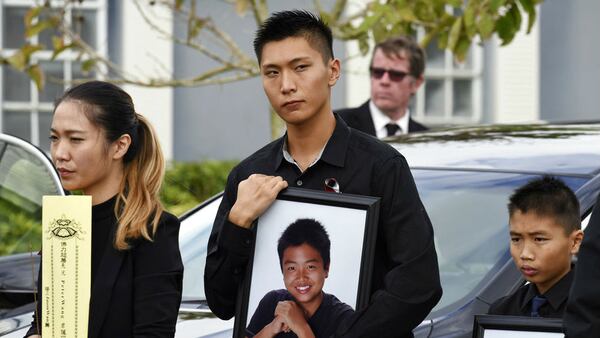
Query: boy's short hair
[[404, 47], [295, 23], [549, 197], [309, 231]]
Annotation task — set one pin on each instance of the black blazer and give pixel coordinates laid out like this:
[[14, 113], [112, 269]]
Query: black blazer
[[582, 318], [360, 118], [136, 292]]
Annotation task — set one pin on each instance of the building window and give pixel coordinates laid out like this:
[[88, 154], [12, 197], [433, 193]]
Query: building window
[[24, 111], [452, 91]]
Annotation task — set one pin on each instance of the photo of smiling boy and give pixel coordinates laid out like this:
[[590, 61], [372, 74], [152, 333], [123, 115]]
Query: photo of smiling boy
[[545, 233], [302, 309]]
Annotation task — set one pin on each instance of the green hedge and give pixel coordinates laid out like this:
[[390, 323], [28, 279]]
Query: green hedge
[[20, 230], [187, 184]]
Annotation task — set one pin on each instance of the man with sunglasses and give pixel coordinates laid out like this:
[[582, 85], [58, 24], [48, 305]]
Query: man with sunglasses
[[396, 70]]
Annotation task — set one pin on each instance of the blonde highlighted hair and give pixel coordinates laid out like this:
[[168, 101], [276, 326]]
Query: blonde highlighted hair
[[138, 202], [138, 206]]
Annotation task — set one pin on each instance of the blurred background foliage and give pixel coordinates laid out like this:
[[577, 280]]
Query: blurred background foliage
[[19, 230], [187, 184], [454, 24]]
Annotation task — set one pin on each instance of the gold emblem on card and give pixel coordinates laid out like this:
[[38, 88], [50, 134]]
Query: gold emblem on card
[[64, 228]]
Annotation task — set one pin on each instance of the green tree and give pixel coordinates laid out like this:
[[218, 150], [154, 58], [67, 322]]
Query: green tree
[[455, 24]]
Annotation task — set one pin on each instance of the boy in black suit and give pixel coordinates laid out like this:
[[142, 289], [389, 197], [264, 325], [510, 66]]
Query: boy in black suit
[[545, 233]]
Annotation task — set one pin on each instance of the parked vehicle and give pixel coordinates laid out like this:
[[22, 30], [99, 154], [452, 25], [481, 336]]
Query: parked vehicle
[[464, 177], [26, 174]]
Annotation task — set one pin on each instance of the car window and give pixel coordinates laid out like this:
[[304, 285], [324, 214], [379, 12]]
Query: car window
[[468, 210], [24, 178]]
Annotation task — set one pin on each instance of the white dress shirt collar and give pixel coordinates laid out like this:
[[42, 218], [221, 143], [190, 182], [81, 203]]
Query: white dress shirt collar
[[288, 157], [380, 120]]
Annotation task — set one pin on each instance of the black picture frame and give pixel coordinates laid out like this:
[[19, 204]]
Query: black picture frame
[[324, 207], [515, 325]]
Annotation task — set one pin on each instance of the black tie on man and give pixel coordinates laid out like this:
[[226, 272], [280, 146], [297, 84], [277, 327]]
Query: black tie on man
[[392, 129]]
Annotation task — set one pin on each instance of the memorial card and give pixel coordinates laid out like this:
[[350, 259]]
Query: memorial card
[[66, 265]]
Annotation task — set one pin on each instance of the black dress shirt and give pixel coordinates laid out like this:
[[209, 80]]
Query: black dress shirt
[[582, 316], [405, 277], [519, 303], [323, 322]]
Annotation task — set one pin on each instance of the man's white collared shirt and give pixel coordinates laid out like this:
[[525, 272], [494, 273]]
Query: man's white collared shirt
[[380, 120]]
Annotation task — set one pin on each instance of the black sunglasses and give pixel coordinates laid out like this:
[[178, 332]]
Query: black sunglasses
[[394, 75]]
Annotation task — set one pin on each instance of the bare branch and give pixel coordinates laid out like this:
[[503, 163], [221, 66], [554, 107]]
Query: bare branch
[[187, 42], [244, 63], [88, 50], [198, 81], [233, 47], [210, 77], [260, 11], [349, 21], [318, 5], [338, 9], [190, 19]]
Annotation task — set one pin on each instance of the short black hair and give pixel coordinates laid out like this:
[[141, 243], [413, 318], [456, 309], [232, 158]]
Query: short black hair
[[295, 23], [548, 197], [306, 231]]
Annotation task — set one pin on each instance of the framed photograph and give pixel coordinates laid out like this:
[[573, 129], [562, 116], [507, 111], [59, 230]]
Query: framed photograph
[[489, 326], [290, 260]]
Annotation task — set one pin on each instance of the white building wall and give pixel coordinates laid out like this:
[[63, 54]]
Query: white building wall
[[517, 74], [146, 54], [570, 60], [355, 68]]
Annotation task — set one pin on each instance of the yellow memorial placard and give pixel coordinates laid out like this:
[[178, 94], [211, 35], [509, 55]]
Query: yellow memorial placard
[[66, 265]]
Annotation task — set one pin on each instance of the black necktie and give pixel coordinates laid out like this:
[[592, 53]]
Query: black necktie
[[392, 129], [536, 303]]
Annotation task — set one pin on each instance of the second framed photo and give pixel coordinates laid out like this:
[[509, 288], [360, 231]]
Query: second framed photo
[[492, 326], [309, 243]]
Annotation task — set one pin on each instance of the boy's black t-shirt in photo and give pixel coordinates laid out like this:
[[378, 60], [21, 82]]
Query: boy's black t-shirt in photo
[[324, 321]]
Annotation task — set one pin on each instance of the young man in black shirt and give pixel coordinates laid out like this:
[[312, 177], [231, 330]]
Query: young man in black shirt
[[545, 232], [294, 50]]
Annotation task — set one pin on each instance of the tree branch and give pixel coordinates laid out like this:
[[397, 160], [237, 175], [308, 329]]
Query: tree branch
[[260, 11], [338, 9], [244, 63], [373, 18]]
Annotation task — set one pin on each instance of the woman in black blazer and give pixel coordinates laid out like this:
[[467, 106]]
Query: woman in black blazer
[[101, 146]]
